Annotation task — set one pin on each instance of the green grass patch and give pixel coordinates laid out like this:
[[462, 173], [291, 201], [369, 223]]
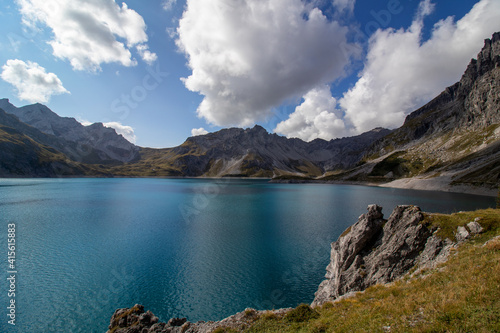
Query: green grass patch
[[463, 295], [447, 224], [301, 313], [474, 139], [224, 330], [399, 164]]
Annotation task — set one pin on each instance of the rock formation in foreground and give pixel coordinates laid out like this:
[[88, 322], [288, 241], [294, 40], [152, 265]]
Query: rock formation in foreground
[[372, 251], [135, 320], [377, 251]]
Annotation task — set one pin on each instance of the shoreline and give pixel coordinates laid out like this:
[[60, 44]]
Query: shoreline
[[417, 184], [441, 184]]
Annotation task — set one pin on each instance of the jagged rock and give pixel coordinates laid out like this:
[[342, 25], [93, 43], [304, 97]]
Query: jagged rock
[[462, 234], [474, 227], [123, 320], [436, 251], [135, 320], [177, 321], [453, 139], [148, 318], [376, 251]]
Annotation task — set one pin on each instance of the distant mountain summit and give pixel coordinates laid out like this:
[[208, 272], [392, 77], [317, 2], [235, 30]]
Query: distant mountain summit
[[103, 140], [451, 143], [253, 152]]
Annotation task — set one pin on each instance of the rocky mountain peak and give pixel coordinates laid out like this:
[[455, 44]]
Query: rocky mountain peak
[[487, 59], [106, 140], [256, 129]]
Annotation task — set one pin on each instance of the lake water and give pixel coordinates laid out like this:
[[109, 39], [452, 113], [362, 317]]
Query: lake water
[[201, 249]]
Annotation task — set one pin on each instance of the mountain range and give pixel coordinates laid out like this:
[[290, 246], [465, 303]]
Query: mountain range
[[451, 143]]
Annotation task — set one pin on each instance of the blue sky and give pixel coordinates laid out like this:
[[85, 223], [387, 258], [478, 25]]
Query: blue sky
[[161, 71]]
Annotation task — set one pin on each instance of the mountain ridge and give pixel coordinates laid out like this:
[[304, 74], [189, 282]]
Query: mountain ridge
[[109, 144], [452, 143], [445, 143]]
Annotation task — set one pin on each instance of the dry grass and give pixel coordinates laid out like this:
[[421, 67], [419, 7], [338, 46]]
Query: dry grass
[[463, 295]]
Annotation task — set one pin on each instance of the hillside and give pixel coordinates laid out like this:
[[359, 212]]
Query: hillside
[[252, 152], [452, 141], [26, 151], [89, 144]]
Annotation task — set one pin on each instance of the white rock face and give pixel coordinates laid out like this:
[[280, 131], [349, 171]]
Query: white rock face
[[474, 227], [461, 234]]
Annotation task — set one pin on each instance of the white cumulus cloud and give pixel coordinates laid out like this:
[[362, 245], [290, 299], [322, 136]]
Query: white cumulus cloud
[[126, 131], [403, 72], [90, 33], [249, 56], [31, 80], [198, 131], [316, 117]]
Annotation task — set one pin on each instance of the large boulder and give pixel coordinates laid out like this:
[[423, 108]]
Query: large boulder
[[377, 251]]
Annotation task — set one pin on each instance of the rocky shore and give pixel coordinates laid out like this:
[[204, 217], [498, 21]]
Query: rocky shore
[[372, 251]]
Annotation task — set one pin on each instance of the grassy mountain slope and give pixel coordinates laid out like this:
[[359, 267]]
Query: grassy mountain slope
[[88, 144], [20, 155], [453, 140], [462, 295], [27, 152], [251, 152]]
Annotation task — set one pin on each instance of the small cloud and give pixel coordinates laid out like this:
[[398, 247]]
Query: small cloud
[[31, 80], [168, 4], [344, 5], [316, 117], [126, 131], [84, 122], [198, 131], [171, 32], [146, 55]]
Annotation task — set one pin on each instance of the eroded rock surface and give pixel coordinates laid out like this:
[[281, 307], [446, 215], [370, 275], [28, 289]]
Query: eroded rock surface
[[377, 251], [135, 320]]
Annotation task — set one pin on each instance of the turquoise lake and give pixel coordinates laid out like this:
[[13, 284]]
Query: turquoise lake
[[201, 249]]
